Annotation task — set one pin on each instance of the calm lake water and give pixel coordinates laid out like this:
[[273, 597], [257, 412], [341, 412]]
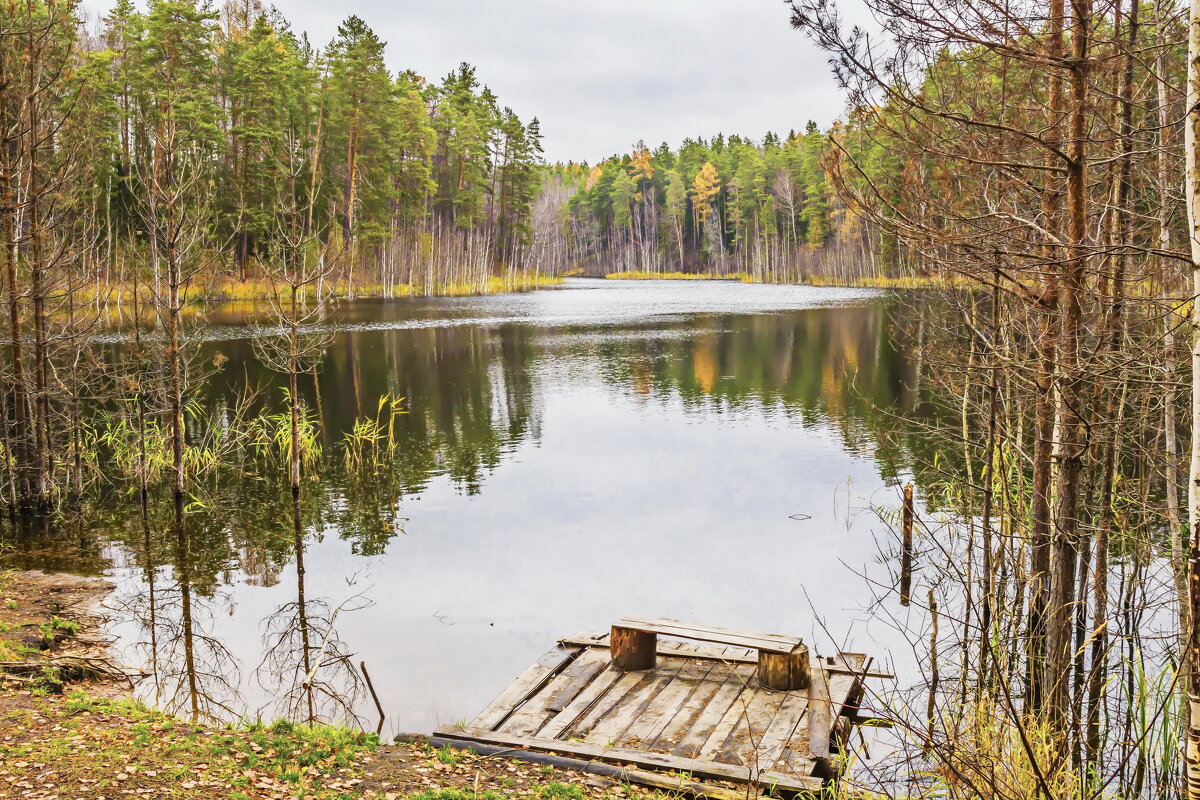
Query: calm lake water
[[705, 450]]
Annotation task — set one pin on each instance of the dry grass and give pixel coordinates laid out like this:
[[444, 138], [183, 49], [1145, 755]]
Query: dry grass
[[225, 289], [1014, 763], [634, 275], [901, 282]]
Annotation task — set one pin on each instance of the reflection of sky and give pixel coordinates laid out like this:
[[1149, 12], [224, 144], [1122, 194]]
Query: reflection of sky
[[619, 507]]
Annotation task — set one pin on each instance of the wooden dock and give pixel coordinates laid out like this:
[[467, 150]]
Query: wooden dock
[[692, 715]]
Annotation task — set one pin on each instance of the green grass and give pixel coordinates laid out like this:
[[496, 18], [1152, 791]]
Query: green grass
[[560, 791], [446, 755], [78, 745], [318, 761], [58, 625], [453, 794]]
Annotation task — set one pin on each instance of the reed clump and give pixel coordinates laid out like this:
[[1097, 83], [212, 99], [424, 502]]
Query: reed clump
[[986, 752]]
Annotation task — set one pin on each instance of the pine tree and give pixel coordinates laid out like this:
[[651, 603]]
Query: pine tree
[[361, 111]]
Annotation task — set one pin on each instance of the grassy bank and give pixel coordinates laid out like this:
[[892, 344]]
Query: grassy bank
[[64, 736], [75, 745], [226, 289], [902, 282]]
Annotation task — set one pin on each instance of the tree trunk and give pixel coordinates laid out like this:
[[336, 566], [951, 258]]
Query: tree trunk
[[1044, 428], [1192, 189]]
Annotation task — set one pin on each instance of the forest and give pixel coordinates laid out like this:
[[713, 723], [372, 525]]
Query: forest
[[1029, 171], [231, 124], [729, 206]]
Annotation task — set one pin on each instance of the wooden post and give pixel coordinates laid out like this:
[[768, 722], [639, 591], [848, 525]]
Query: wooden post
[[784, 671], [632, 649], [906, 533]]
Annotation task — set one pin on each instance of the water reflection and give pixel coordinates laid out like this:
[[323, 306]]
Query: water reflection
[[563, 458], [305, 664]]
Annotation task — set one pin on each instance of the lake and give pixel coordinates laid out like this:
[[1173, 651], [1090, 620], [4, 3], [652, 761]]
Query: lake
[[706, 450]]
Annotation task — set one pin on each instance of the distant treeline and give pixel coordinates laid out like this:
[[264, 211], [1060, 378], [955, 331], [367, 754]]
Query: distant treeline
[[765, 209]]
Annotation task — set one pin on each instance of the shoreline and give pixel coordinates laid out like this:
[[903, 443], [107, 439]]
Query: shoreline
[[85, 736]]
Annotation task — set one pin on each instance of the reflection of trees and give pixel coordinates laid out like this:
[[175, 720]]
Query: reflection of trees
[[468, 396], [469, 399], [73, 543], [468, 392], [150, 576], [842, 368], [194, 672], [305, 664]]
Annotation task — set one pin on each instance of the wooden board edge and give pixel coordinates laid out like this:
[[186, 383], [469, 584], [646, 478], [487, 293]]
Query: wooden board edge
[[673, 784], [712, 770]]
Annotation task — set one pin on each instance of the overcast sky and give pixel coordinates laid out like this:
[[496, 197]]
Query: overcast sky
[[602, 74]]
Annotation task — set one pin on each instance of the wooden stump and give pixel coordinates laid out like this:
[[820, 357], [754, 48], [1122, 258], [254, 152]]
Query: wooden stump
[[632, 649], [784, 671]]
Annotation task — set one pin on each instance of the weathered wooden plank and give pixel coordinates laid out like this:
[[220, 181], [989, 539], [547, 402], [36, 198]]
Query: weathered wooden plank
[[582, 703], [840, 689], [695, 767], [535, 711], [718, 652], [773, 642], [587, 639], [674, 783], [525, 686], [741, 744], [794, 758], [582, 672], [820, 716], [669, 647], [843, 681], [634, 704], [782, 731], [852, 664], [626, 682], [648, 623], [715, 711], [650, 723], [693, 707]]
